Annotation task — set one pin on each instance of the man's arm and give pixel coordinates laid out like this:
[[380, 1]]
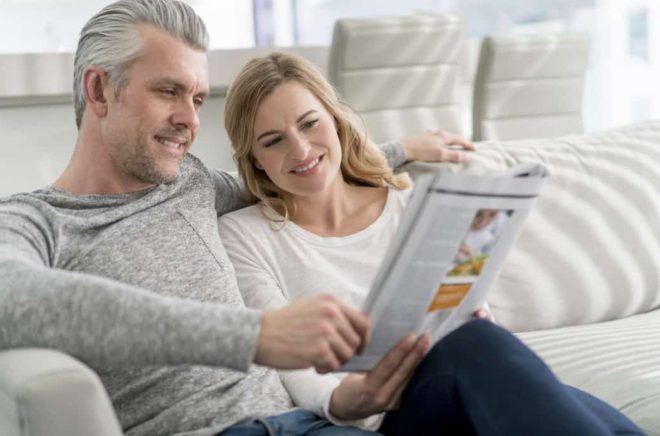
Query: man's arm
[[108, 323], [103, 321]]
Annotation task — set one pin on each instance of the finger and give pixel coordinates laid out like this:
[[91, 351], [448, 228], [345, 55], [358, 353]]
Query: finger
[[395, 401], [335, 338], [455, 156], [327, 364], [357, 327], [394, 386], [452, 139], [479, 313], [482, 313], [343, 340], [388, 365]]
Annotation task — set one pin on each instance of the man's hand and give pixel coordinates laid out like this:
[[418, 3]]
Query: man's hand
[[379, 390], [318, 331], [432, 146]]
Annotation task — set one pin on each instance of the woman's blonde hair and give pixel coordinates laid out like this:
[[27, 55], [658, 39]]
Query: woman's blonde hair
[[361, 164]]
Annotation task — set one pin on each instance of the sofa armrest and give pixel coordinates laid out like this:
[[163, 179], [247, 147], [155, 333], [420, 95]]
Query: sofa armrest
[[46, 392]]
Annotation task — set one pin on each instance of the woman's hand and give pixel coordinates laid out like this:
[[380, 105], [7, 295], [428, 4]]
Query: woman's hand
[[432, 146], [379, 390], [484, 313]]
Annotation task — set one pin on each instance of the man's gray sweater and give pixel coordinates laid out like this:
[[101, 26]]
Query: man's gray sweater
[[124, 283], [140, 288]]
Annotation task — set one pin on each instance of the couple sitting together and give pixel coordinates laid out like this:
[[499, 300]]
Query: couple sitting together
[[123, 263]]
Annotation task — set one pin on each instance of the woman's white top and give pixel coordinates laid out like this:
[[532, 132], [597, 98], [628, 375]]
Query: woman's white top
[[277, 264]]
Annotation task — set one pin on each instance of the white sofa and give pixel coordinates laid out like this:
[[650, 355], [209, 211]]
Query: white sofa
[[581, 286]]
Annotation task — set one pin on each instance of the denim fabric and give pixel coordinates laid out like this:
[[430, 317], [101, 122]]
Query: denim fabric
[[481, 379], [297, 422]]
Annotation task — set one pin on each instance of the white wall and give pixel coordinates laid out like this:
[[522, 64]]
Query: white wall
[[37, 120], [37, 142]]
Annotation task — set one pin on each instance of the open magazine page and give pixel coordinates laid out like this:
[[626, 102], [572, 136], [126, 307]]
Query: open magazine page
[[481, 251], [451, 243]]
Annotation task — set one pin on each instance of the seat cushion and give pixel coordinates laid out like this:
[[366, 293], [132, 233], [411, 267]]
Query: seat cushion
[[617, 361]]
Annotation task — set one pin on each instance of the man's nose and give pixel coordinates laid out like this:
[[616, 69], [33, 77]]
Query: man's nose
[[186, 115]]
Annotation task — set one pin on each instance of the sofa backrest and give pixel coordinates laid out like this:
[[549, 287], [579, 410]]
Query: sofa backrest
[[590, 248], [400, 73], [529, 86]]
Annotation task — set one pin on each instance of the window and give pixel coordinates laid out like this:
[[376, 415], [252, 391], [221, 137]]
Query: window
[[638, 33], [47, 26]]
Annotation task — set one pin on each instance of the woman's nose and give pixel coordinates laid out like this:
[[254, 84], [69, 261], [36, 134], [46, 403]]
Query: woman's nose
[[298, 147]]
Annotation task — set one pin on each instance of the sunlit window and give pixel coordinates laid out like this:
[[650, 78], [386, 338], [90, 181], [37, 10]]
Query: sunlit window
[[625, 48], [46, 26], [638, 33]]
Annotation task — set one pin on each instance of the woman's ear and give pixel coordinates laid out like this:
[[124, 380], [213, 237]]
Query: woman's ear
[[257, 164]]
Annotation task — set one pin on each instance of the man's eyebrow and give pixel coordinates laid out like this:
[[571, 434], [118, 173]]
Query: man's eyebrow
[[166, 81], [300, 118]]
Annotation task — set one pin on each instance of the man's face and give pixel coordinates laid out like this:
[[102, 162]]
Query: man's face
[[152, 123]]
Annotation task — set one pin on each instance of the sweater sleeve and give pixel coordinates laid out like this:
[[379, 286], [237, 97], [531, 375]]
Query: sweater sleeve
[[260, 289], [394, 153], [230, 192], [97, 319]]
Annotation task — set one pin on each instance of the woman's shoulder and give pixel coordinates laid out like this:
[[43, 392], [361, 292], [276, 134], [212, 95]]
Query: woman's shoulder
[[247, 217], [400, 197]]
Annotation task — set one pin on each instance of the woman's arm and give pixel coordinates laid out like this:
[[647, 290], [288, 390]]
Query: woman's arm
[[260, 289]]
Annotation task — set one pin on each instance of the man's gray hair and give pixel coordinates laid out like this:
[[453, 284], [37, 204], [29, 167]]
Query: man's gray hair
[[110, 39]]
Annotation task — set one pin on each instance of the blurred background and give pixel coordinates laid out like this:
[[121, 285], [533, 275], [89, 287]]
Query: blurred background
[[37, 37]]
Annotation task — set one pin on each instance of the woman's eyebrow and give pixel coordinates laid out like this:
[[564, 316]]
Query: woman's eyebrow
[[300, 118]]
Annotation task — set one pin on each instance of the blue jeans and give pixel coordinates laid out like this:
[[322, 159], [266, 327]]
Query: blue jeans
[[480, 379], [293, 423]]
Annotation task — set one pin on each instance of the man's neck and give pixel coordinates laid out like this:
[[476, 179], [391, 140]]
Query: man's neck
[[91, 171]]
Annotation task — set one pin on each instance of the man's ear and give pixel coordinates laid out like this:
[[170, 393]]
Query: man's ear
[[96, 87]]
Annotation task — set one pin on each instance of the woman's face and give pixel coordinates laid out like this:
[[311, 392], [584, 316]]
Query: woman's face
[[296, 142]]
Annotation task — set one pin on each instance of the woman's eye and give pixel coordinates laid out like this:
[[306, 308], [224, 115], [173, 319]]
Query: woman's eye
[[309, 124], [272, 141]]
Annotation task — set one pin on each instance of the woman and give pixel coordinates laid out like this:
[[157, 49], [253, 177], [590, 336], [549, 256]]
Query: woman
[[328, 208]]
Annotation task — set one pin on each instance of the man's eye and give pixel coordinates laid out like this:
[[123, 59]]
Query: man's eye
[[199, 102], [168, 91]]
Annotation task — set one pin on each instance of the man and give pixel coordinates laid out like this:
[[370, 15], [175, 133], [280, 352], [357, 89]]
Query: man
[[119, 263]]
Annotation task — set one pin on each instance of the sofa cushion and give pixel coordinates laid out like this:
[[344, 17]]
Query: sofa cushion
[[616, 361], [590, 249]]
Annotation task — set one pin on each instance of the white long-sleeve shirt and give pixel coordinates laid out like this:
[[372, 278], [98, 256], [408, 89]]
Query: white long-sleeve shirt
[[275, 265]]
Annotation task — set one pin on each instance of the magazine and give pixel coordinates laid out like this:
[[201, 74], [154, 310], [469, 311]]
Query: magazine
[[453, 238]]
